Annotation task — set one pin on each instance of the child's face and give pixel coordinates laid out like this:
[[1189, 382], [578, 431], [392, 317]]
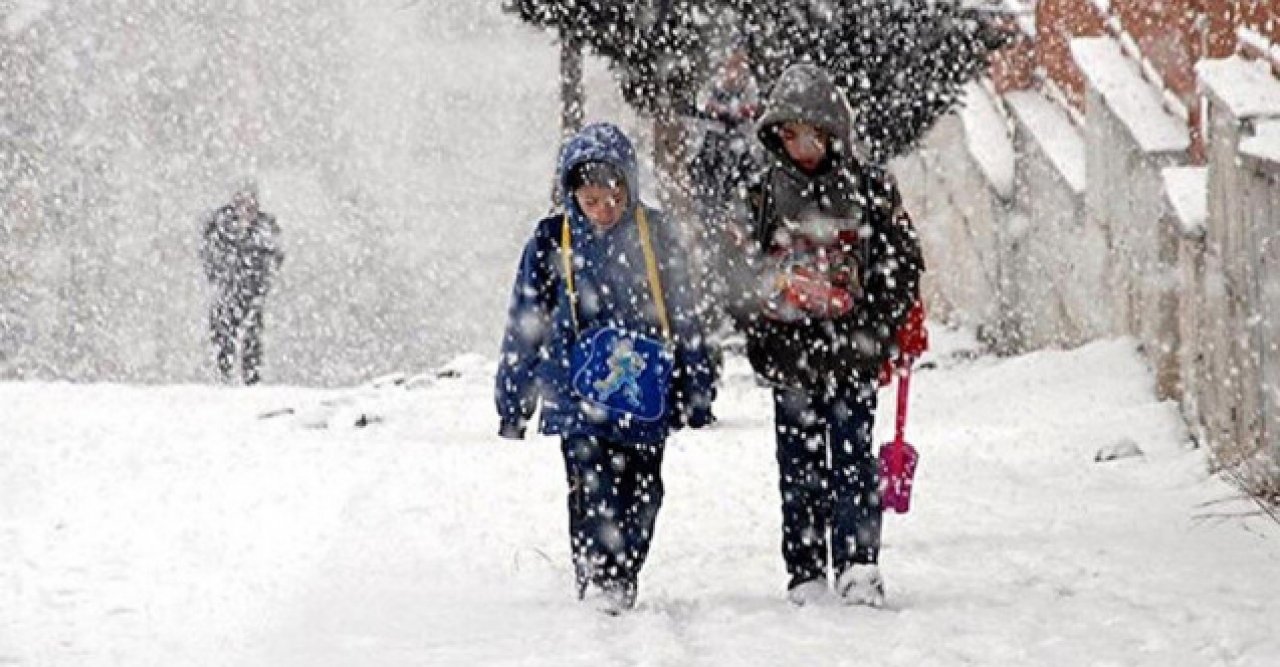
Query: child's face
[[602, 205], [805, 144]]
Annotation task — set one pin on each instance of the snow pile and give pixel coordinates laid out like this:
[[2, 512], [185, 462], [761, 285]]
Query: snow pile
[[1054, 132], [1257, 41], [1132, 99], [987, 133], [1265, 143], [1188, 191], [172, 525], [1246, 87]]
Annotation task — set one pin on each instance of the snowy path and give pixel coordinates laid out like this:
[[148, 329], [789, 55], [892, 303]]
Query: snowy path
[[171, 525]]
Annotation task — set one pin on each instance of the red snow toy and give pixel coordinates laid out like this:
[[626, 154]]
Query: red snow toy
[[898, 458]]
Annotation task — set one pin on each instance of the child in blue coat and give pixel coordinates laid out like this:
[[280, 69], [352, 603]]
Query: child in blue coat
[[608, 269]]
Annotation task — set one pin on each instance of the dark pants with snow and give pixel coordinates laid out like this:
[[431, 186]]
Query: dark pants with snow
[[828, 478], [236, 321], [615, 491]]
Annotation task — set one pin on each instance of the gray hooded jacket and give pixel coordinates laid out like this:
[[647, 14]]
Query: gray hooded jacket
[[816, 352]]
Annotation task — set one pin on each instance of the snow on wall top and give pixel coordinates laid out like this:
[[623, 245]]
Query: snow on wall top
[[1265, 143], [1057, 136], [1187, 189], [1245, 87], [1134, 101], [988, 139], [1025, 12]]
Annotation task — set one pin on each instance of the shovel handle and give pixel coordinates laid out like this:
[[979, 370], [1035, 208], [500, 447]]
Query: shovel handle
[[904, 387]]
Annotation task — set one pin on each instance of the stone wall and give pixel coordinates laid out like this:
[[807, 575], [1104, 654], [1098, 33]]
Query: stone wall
[[961, 220], [1049, 205], [1237, 391], [1131, 139], [1107, 231]]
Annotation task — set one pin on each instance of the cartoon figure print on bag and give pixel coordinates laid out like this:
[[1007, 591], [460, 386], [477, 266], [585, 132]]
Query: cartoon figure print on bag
[[625, 367]]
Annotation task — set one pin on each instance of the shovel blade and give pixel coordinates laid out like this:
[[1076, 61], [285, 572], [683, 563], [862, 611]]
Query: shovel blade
[[897, 471]]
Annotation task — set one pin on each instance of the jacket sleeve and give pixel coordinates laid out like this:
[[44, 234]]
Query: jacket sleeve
[[693, 379], [529, 323], [208, 254], [743, 256], [895, 264], [273, 243]]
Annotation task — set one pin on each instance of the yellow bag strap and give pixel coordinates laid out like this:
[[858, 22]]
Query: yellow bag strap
[[566, 255], [650, 264]]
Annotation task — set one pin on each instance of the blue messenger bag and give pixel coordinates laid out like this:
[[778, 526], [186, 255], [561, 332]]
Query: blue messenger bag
[[625, 374]]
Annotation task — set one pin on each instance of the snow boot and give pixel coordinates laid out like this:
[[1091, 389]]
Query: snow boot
[[808, 592], [613, 598], [861, 584], [619, 598]]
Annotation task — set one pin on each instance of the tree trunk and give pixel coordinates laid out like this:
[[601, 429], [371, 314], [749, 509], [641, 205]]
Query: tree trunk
[[571, 96], [670, 158], [572, 99], [675, 189]]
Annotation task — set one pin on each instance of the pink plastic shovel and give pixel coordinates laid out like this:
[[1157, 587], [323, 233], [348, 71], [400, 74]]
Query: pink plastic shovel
[[898, 458]]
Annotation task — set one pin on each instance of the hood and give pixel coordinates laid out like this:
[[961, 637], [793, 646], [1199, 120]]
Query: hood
[[599, 142], [808, 94]]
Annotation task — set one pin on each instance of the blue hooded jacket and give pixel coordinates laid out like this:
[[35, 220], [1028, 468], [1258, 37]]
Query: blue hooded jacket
[[613, 289]]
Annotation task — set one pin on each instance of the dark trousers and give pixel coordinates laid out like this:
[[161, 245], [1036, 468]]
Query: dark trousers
[[828, 476], [236, 321], [615, 491]]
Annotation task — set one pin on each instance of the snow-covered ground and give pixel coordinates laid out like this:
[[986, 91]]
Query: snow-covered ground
[[179, 526]]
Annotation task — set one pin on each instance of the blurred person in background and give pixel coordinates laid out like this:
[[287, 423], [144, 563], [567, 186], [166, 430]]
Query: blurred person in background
[[240, 251]]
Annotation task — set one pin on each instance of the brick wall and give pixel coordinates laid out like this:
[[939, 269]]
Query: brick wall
[[1057, 23], [1013, 67], [1171, 34], [1169, 37], [1263, 16]]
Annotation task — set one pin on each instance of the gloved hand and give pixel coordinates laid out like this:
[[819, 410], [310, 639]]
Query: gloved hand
[[701, 418], [912, 341], [695, 417], [913, 337]]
